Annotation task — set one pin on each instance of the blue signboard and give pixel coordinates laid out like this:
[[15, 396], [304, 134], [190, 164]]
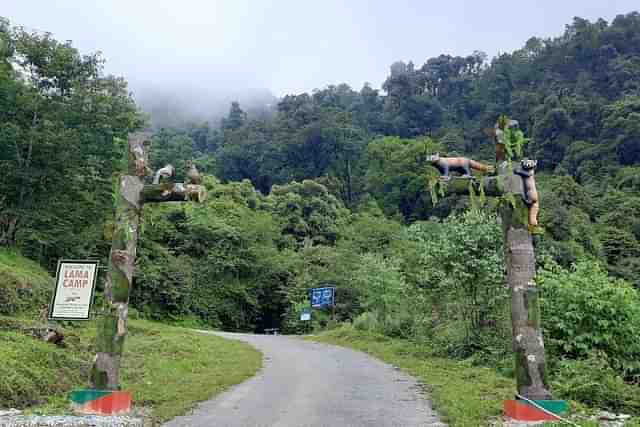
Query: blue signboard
[[322, 297]]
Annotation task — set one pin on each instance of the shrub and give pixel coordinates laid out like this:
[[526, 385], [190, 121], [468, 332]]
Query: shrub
[[584, 311], [594, 382]]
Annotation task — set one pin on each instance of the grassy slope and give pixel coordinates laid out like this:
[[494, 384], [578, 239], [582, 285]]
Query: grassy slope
[[464, 395], [23, 283], [167, 368]]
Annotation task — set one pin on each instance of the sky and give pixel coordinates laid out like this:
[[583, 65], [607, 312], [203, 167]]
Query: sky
[[291, 46]]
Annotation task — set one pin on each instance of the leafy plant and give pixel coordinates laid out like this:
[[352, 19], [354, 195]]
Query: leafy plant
[[586, 311]]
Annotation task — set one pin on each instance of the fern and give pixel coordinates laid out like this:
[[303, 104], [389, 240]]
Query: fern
[[514, 142]]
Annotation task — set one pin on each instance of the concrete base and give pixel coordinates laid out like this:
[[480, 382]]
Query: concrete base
[[101, 402], [521, 410]]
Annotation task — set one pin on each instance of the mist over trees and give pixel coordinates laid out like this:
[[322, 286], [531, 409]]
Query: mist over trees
[[177, 105]]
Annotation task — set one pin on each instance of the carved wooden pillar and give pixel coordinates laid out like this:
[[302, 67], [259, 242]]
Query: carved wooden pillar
[[132, 194], [112, 324], [528, 344]]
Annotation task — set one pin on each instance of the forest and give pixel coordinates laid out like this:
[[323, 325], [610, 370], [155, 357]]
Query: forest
[[333, 187]]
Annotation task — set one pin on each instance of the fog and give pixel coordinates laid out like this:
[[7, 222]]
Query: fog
[[190, 58]]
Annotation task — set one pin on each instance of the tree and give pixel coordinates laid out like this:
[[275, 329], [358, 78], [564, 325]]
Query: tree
[[235, 119], [60, 121]]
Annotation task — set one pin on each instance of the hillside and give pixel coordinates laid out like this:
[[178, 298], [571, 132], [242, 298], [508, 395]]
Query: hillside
[[37, 376]]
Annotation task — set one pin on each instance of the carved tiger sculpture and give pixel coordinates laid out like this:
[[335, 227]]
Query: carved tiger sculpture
[[462, 165]]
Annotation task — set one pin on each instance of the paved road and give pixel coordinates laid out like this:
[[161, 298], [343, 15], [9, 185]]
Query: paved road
[[309, 384]]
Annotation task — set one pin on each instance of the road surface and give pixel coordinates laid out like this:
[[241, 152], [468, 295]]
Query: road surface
[[305, 384]]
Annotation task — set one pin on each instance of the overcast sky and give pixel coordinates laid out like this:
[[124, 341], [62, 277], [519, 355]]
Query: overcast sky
[[291, 46]]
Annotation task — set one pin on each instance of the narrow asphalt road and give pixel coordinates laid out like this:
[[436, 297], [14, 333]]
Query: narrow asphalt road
[[309, 384]]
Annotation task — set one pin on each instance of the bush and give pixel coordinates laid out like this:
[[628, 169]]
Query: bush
[[366, 322], [459, 283], [594, 382], [585, 311]]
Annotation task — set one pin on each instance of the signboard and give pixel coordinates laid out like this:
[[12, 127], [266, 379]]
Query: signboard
[[305, 316], [73, 295], [322, 297]]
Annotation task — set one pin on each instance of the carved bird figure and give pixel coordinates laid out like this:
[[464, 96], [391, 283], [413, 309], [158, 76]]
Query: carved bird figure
[[164, 173], [193, 175]]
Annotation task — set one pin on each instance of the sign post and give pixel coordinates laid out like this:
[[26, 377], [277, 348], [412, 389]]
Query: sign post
[[305, 316], [75, 286]]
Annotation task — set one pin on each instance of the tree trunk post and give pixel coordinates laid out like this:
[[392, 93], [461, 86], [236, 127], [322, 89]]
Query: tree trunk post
[[112, 324], [132, 194], [518, 211], [520, 260]]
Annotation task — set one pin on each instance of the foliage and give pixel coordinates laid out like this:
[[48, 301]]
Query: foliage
[[310, 214], [459, 272], [334, 186], [59, 117], [383, 293], [594, 382], [514, 142], [398, 175], [585, 311]]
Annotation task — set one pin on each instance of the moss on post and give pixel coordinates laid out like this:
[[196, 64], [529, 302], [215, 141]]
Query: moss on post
[[131, 196], [528, 344], [112, 324]]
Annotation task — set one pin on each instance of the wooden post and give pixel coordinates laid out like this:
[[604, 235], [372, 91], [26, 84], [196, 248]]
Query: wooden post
[[112, 324], [132, 193], [518, 211], [528, 343]]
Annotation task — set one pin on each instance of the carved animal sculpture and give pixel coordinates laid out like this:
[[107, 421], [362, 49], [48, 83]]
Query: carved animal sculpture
[[193, 175], [457, 164], [139, 153], [164, 173], [527, 172]]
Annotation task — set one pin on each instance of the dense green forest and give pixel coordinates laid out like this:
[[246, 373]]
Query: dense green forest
[[333, 187]]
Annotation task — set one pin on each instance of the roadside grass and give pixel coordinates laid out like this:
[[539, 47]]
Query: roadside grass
[[463, 394], [168, 369]]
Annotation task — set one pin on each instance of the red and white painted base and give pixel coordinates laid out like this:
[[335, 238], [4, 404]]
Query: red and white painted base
[[521, 410], [101, 402]]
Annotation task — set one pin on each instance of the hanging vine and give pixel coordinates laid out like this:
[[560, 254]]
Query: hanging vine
[[437, 189], [477, 196]]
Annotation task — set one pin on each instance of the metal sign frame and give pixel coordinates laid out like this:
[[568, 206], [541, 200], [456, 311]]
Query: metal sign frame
[[62, 262]]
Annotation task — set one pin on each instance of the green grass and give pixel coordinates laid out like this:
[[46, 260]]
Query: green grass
[[24, 285], [463, 394], [168, 369]]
